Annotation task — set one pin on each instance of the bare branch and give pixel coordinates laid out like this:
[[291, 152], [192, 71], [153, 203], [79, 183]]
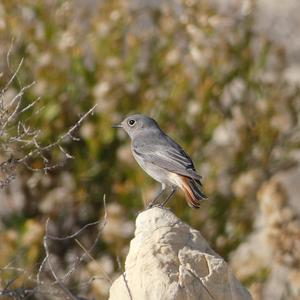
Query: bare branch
[[13, 76], [124, 277], [81, 258], [92, 258], [72, 236], [87, 253], [19, 142], [60, 139], [68, 293], [20, 293]]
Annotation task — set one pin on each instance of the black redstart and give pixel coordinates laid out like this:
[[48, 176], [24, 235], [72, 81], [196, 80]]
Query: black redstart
[[163, 159]]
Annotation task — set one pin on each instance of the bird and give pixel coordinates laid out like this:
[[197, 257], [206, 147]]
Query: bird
[[163, 159]]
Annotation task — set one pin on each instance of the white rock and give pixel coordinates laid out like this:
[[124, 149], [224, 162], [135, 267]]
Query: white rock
[[170, 260]]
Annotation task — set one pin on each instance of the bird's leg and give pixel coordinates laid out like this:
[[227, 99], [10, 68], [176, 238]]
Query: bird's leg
[[152, 203], [169, 197]]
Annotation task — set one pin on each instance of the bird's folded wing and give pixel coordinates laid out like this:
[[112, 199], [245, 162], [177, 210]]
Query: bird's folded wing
[[172, 159]]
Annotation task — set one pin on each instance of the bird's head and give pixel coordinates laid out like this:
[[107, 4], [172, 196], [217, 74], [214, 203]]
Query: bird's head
[[137, 124]]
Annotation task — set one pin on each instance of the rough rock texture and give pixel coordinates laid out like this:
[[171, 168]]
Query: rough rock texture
[[274, 265], [170, 260]]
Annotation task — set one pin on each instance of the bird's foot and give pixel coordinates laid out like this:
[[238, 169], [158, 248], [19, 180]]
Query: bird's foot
[[159, 205], [151, 204]]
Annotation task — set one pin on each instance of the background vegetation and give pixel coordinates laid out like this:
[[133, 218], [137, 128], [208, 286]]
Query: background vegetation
[[212, 82]]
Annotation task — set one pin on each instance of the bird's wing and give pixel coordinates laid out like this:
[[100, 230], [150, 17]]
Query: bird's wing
[[172, 158]]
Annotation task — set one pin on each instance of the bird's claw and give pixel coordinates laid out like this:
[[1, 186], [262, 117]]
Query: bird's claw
[[150, 205], [159, 205]]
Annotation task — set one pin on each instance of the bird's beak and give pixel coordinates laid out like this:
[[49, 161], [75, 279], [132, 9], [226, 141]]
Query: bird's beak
[[117, 126]]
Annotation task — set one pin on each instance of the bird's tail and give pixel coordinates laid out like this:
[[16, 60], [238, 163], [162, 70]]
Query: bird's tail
[[192, 191]]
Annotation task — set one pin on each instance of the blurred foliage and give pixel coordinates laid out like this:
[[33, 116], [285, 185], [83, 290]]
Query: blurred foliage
[[212, 83]]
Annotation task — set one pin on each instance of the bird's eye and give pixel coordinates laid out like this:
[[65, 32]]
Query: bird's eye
[[131, 122]]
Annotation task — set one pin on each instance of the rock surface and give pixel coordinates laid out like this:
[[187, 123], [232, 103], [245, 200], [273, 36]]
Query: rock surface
[[170, 260]]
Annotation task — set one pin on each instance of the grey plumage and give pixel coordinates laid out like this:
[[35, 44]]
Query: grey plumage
[[162, 158]]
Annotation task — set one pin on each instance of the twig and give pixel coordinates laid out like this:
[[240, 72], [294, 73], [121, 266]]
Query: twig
[[20, 293], [14, 113], [87, 252], [13, 76], [27, 140], [93, 259], [72, 236], [55, 276], [60, 139], [16, 293], [79, 259], [124, 277]]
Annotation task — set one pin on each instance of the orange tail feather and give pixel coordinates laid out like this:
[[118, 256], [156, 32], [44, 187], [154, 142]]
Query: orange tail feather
[[192, 192]]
